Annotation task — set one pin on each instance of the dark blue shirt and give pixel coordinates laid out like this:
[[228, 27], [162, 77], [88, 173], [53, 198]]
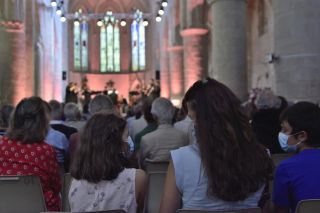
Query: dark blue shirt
[[297, 178]]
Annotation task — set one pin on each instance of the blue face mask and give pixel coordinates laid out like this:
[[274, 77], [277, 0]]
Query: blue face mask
[[283, 141]]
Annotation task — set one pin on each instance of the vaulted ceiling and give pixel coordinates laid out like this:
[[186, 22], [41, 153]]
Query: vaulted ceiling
[[118, 6]]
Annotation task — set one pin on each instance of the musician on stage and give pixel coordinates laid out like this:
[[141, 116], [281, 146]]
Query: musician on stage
[[110, 91], [72, 92]]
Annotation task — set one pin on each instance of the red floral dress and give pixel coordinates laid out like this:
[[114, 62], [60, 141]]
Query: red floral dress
[[37, 159]]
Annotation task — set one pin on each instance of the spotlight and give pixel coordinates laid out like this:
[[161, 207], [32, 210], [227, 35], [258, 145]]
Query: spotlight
[[76, 22], [99, 23], [58, 11], [145, 22], [53, 3], [123, 23], [63, 18], [161, 11], [158, 18], [164, 3]]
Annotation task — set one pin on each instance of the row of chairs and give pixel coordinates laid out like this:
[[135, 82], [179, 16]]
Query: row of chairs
[[156, 177], [20, 187]]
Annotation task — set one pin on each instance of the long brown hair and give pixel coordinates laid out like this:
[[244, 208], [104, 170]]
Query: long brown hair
[[30, 121], [99, 156], [234, 164]]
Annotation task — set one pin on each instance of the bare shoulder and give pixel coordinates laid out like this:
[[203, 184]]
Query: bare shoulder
[[140, 176]]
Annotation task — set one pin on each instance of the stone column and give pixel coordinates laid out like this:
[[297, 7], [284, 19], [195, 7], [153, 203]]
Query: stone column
[[14, 77], [297, 44], [175, 53], [229, 44], [165, 75], [176, 71], [194, 55], [164, 58]]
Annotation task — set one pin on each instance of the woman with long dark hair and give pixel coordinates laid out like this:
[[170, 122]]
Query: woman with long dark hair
[[101, 181], [224, 169]]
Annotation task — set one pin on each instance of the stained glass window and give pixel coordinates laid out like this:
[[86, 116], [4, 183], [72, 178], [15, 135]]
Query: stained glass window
[[116, 47], [138, 43], [110, 45], [84, 46], [134, 46], [142, 44], [103, 49], [76, 46], [80, 44]]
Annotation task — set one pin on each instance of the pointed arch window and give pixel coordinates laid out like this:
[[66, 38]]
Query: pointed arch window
[[110, 45], [138, 43], [80, 44]]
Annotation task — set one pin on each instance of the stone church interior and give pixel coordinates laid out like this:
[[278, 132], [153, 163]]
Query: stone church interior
[[208, 80]]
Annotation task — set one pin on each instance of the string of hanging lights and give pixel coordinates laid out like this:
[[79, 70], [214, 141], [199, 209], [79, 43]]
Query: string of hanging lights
[[102, 18], [162, 5]]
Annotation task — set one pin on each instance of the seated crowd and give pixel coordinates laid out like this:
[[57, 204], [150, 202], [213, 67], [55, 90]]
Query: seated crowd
[[219, 151]]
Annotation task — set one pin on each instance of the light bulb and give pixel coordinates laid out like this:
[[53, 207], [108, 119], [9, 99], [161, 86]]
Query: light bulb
[[164, 3], [158, 19], [63, 18], [59, 11], [99, 23], [145, 22], [123, 23], [161, 11], [53, 3], [76, 22]]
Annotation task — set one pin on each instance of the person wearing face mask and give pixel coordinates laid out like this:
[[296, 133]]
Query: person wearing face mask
[[297, 178]]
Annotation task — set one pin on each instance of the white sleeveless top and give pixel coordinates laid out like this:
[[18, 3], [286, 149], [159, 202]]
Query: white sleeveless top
[[105, 195], [192, 183]]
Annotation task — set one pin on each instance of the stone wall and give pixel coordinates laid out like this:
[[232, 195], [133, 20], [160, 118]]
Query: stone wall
[[260, 37]]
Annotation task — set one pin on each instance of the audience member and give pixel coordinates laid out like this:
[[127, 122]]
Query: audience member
[[59, 135], [56, 121], [248, 106], [224, 169], [104, 103], [24, 152], [61, 144], [100, 102], [97, 104], [297, 178], [156, 146], [265, 121], [101, 182], [138, 124], [151, 124], [5, 113], [73, 116]]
